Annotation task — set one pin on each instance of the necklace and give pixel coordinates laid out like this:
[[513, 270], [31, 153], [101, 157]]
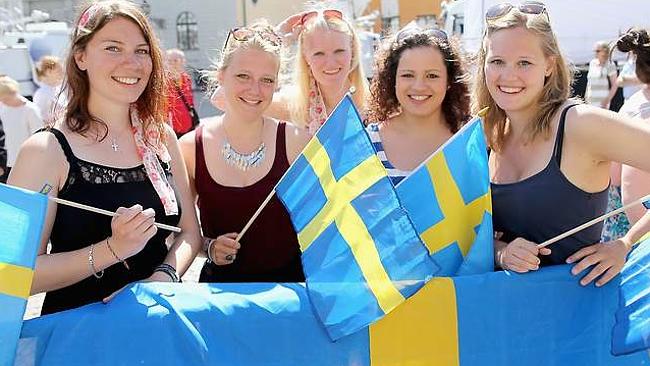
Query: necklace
[[114, 145], [241, 161]]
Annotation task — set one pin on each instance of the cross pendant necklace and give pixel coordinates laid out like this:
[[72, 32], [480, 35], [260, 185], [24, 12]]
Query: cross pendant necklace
[[114, 145]]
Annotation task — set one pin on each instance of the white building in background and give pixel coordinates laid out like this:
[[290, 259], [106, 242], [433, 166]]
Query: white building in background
[[197, 27]]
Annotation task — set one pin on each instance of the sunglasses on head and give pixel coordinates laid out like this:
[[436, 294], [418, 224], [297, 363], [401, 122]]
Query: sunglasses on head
[[527, 7], [436, 33], [327, 14], [242, 34]]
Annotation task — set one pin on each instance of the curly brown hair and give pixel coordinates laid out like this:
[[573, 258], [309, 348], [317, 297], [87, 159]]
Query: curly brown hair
[[383, 101]]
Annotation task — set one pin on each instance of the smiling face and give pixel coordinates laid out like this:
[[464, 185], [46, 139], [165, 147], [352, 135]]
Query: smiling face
[[249, 81], [118, 63], [329, 56], [421, 81], [515, 69]]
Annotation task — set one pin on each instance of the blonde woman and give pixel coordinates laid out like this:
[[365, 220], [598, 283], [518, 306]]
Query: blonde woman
[[327, 65], [550, 158], [235, 160]]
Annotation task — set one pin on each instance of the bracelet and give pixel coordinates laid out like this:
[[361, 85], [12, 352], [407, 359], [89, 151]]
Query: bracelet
[[108, 244], [168, 270], [91, 261], [209, 251]]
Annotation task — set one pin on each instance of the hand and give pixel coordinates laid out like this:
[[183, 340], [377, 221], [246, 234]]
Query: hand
[[521, 255], [131, 230], [224, 249], [604, 104], [289, 28], [608, 259], [110, 297]]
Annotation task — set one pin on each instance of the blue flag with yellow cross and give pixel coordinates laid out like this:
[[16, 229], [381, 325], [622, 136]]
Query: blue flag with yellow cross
[[448, 199], [22, 214], [361, 254]]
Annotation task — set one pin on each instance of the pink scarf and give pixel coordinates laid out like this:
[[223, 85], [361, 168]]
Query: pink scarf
[[149, 154]]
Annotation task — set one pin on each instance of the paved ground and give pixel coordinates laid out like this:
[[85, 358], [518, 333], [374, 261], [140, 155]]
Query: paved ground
[[35, 302]]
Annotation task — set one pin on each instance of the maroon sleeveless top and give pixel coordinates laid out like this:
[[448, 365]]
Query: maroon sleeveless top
[[269, 249]]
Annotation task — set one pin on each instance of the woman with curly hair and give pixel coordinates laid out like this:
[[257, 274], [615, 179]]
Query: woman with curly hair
[[419, 98]]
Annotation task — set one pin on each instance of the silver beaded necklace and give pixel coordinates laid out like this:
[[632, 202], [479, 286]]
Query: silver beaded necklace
[[241, 161]]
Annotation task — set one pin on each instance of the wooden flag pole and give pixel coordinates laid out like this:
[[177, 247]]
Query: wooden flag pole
[[106, 212], [592, 222], [257, 213]]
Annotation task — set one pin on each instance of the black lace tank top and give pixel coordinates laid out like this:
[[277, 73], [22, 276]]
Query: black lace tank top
[[108, 188]]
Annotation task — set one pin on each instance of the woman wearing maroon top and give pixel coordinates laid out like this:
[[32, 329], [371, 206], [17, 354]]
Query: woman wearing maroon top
[[234, 162]]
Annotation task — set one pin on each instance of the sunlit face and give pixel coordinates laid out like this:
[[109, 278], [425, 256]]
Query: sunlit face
[[329, 56], [515, 69], [421, 81], [249, 81], [118, 63]]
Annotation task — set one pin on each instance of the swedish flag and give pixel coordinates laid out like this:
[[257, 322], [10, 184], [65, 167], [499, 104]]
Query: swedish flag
[[361, 254], [22, 215], [448, 198]]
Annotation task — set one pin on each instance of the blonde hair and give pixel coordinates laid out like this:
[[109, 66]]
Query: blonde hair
[[8, 85], [556, 89], [299, 101], [259, 40], [47, 64]]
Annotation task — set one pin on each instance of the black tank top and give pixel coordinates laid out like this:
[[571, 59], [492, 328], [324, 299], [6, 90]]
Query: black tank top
[[108, 188], [269, 250], [546, 205]]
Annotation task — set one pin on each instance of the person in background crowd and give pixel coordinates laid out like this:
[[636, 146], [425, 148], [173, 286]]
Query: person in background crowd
[[48, 97], [635, 183], [550, 155], [419, 98], [20, 118], [235, 160], [112, 150], [627, 79], [3, 156], [601, 78], [181, 101]]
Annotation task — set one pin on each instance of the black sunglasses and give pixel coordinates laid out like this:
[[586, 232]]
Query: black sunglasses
[[409, 32], [242, 34], [527, 7]]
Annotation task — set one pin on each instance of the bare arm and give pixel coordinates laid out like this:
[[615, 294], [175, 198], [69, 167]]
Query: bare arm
[[41, 161]]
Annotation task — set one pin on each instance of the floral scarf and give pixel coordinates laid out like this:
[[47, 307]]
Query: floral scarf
[[317, 113], [149, 153]]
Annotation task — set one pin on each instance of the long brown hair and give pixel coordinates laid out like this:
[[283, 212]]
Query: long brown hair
[[557, 86], [151, 105]]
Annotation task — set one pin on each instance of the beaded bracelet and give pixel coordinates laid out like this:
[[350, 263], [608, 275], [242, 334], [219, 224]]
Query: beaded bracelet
[[108, 244], [91, 261]]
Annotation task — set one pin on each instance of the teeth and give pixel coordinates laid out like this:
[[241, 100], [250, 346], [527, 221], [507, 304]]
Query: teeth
[[251, 101], [508, 90], [331, 72], [128, 81], [419, 97]]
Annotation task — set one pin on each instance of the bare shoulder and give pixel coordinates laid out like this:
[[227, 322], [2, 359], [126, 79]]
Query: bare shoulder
[[296, 138], [43, 146], [40, 160]]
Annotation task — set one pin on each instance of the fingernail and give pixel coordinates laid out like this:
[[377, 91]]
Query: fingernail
[[569, 260]]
